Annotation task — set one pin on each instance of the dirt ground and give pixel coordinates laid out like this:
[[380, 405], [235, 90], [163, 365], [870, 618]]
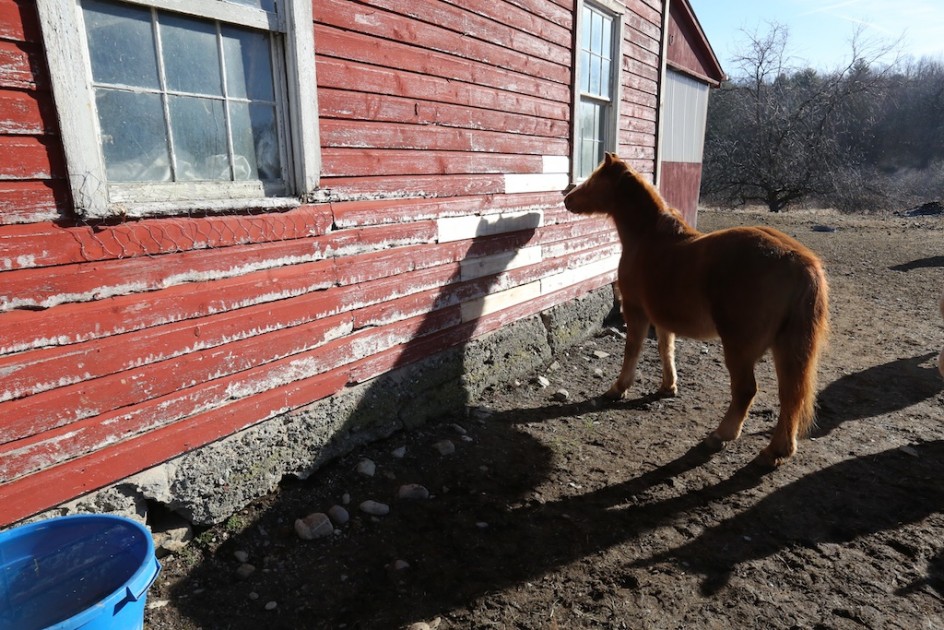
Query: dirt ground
[[575, 513]]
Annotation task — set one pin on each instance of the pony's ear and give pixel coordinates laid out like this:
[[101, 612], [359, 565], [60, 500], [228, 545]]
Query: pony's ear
[[608, 158]]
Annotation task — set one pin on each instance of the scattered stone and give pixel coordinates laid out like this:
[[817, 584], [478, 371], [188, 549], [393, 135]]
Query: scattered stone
[[313, 526], [346, 499], [401, 565], [482, 525], [445, 447], [561, 395], [598, 373], [425, 625], [413, 491], [823, 228], [339, 515], [241, 556], [245, 570], [271, 605], [542, 381], [554, 366], [366, 467], [375, 508], [466, 438], [909, 450], [399, 452], [254, 596], [157, 603], [600, 354], [458, 428]]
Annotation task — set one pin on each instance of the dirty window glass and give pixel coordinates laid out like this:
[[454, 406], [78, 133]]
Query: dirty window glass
[[183, 99], [595, 83]]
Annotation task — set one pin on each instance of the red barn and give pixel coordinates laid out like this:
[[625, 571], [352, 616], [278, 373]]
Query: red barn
[[239, 237]]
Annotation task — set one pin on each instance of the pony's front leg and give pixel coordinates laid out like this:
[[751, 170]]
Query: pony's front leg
[[637, 325], [667, 354]]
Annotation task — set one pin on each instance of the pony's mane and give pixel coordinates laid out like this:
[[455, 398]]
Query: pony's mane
[[644, 196]]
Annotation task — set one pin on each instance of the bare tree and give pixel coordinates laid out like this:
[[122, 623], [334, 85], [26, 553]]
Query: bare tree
[[777, 135]]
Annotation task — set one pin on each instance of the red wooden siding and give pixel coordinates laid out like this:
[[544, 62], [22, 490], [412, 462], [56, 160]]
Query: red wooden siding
[[124, 345]]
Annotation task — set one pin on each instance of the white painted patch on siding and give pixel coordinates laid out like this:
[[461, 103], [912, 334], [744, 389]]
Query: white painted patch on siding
[[496, 263], [535, 182], [460, 228], [575, 276], [499, 301], [556, 164]]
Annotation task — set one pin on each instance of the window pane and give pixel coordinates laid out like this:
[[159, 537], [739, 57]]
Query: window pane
[[607, 53], [596, 33], [199, 131], [248, 64], [191, 57], [584, 70], [133, 138], [121, 44], [586, 18], [592, 136], [256, 142], [594, 87]]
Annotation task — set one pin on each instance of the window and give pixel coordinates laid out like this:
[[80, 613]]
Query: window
[[166, 106], [597, 85]]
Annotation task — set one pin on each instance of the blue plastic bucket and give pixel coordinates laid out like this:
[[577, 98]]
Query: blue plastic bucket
[[88, 571]]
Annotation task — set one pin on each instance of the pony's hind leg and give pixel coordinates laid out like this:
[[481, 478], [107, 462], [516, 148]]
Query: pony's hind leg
[[796, 376], [743, 389], [667, 354], [637, 325]]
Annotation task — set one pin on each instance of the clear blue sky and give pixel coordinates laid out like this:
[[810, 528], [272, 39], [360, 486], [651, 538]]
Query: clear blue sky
[[820, 31]]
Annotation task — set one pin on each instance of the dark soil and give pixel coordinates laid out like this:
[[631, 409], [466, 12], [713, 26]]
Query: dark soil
[[584, 514]]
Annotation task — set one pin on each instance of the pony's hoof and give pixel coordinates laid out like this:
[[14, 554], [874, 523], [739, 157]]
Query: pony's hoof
[[614, 394], [667, 392], [713, 442], [768, 460]]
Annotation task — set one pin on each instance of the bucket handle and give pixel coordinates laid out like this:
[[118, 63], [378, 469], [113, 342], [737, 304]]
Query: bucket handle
[[131, 597]]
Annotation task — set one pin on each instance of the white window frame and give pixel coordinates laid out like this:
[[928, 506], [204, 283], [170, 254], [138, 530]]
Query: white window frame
[[616, 11], [67, 56]]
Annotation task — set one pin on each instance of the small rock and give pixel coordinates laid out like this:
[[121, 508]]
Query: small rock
[[375, 508], [445, 447], [598, 373], [339, 515], [600, 354], [401, 565], [458, 428], [413, 491], [245, 570], [313, 526], [399, 452], [909, 450], [271, 605], [542, 381], [554, 366], [482, 525], [345, 499], [366, 467], [242, 556], [253, 595], [561, 395]]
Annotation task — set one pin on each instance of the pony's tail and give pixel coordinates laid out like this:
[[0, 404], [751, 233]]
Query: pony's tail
[[798, 348]]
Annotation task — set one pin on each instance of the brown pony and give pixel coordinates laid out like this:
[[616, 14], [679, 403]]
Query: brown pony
[[754, 287]]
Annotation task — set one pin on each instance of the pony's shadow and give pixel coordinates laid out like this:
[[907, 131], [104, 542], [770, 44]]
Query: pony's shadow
[[877, 390], [871, 494], [921, 263]]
